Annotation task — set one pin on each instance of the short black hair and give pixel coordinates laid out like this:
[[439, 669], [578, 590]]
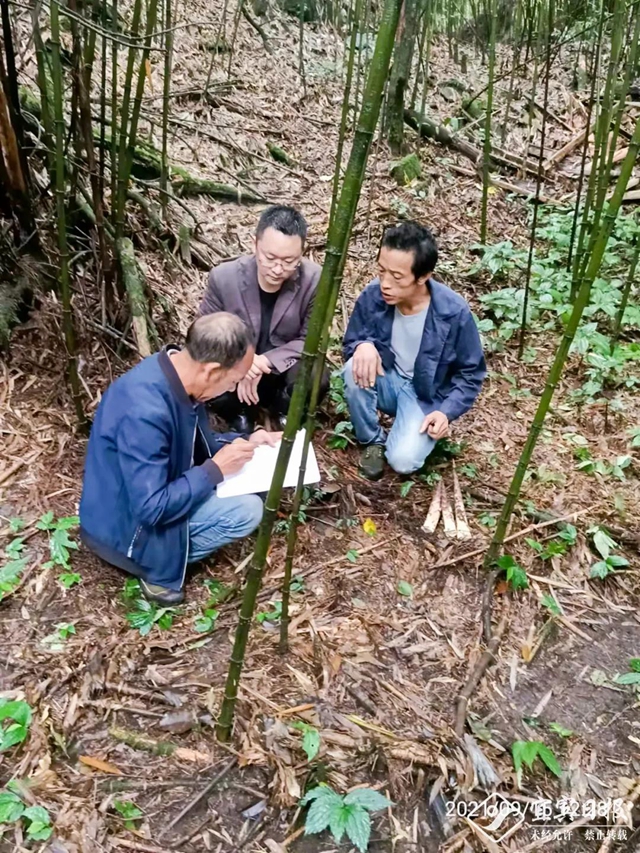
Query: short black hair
[[287, 220], [413, 237], [219, 337]]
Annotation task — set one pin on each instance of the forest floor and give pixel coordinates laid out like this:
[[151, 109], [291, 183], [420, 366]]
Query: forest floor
[[375, 671]]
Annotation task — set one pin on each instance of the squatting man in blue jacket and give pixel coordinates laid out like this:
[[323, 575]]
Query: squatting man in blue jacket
[[149, 502], [412, 350]]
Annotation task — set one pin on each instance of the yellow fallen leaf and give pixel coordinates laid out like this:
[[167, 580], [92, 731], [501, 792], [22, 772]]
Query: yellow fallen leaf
[[369, 527], [492, 190], [99, 764]]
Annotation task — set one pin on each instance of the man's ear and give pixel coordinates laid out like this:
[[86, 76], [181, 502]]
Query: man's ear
[[211, 368], [424, 279], [255, 244]]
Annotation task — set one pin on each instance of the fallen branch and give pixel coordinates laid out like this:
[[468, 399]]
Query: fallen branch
[[256, 26], [157, 747], [135, 291], [439, 133], [563, 152], [487, 658], [194, 802]]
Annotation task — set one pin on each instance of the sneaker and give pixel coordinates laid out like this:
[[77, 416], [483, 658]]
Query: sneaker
[[372, 461], [161, 594]]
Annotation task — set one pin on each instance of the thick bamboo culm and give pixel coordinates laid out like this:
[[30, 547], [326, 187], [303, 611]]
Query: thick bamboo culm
[[337, 242]]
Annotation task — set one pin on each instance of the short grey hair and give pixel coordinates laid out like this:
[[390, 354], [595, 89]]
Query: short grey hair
[[219, 337]]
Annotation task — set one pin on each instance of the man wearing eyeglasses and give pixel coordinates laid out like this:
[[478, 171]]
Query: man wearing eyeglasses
[[272, 291]]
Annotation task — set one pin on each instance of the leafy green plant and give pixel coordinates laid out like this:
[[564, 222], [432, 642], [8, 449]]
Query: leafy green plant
[[16, 524], [348, 815], [526, 751], [336, 394], [341, 436], [406, 487], [17, 716], [487, 519], [270, 615], [36, 818], [405, 588], [553, 548], [516, 575], [145, 614], [352, 555], [10, 575], [61, 545], [468, 470], [605, 567], [69, 579], [55, 641], [559, 729], [207, 620], [550, 602], [633, 676], [634, 435], [297, 584], [131, 590], [218, 591], [310, 738], [128, 811]]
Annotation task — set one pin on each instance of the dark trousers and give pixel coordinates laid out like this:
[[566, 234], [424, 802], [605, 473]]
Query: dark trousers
[[274, 394]]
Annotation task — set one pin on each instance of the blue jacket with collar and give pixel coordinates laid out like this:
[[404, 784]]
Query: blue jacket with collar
[[140, 482], [450, 366]]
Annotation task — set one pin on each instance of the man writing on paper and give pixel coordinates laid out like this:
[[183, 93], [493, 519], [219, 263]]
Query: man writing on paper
[[272, 291], [412, 350], [149, 503]]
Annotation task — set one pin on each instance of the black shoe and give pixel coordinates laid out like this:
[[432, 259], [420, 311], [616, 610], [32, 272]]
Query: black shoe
[[243, 423], [372, 461], [161, 594]]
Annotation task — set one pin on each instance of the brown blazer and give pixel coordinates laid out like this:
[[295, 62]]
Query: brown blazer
[[233, 287]]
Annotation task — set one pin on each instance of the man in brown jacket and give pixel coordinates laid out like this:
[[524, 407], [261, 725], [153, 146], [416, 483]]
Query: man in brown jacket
[[272, 291]]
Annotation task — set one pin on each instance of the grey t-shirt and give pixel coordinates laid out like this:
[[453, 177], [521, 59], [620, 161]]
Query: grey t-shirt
[[406, 336]]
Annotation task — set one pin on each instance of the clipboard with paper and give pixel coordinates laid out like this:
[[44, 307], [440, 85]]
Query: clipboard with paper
[[257, 474]]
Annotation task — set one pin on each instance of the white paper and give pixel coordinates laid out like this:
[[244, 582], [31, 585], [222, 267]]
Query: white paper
[[257, 474]]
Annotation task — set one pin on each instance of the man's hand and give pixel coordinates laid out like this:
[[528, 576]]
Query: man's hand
[[261, 364], [261, 436], [247, 390], [367, 365], [233, 456], [436, 425]]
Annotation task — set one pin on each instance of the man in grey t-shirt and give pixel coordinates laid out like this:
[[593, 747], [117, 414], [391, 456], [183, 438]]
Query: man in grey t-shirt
[[411, 350]]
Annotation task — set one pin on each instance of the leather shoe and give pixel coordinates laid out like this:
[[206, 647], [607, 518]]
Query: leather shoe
[[161, 594], [243, 423]]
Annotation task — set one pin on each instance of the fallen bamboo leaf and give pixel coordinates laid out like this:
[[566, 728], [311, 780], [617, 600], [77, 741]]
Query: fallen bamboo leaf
[[99, 764], [178, 722]]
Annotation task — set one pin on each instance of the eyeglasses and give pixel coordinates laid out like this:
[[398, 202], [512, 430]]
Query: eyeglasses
[[274, 262]]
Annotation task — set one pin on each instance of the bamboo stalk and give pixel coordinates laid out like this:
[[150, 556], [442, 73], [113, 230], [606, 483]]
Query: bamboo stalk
[[486, 154], [555, 372], [330, 278], [536, 207], [166, 89], [345, 108], [65, 283], [119, 187]]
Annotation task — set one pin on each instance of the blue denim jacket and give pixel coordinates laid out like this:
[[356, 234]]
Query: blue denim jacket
[[450, 366], [140, 482]]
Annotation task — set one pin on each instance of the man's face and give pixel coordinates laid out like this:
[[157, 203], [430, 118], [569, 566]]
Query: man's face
[[397, 281], [215, 380], [278, 256]]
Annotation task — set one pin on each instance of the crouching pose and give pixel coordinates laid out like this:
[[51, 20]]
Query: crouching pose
[[412, 350], [149, 502]]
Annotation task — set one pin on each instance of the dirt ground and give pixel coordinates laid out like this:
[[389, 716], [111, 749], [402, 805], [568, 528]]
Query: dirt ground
[[378, 673]]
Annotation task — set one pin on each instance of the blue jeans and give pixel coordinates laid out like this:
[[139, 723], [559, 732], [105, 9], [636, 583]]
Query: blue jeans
[[219, 521], [406, 447]]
